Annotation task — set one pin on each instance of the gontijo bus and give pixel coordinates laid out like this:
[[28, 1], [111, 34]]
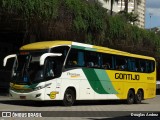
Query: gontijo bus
[[69, 71]]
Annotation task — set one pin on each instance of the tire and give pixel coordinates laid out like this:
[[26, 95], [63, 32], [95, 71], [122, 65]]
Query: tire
[[69, 98], [130, 97], [138, 97]]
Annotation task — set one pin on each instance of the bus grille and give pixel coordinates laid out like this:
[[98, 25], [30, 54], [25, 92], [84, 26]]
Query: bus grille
[[22, 90]]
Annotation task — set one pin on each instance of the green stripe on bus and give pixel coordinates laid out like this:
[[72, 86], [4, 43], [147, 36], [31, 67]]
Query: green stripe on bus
[[94, 81], [83, 48], [91, 49], [78, 47], [105, 81], [31, 86]]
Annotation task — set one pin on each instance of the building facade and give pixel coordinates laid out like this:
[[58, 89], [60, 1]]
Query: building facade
[[136, 6], [140, 9]]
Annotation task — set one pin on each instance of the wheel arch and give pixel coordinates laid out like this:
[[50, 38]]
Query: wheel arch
[[132, 90]]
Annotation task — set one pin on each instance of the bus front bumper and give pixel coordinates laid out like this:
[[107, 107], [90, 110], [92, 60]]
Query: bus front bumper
[[34, 95]]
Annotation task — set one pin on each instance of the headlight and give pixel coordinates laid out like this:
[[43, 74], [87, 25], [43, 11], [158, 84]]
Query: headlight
[[41, 87]]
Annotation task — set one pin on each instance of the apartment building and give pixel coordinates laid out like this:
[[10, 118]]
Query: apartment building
[[140, 9], [133, 6]]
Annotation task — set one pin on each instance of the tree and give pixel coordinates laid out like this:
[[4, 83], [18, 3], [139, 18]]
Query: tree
[[136, 3], [132, 17], [82, 21], [121, 4], [126, 5], [129, 17], [111, 5]]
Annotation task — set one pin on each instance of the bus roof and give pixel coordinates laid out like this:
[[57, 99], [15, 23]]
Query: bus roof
[[44, 45], [50, 44]]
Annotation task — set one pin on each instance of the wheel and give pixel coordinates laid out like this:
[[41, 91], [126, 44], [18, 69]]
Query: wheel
[[130, 97], [138, 97], [69, 98]]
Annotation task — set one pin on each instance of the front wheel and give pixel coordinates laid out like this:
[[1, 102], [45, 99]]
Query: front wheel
[[130, 97], [69, 98]]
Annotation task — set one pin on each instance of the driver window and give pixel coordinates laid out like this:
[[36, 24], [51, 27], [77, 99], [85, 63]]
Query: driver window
[[50, 66]]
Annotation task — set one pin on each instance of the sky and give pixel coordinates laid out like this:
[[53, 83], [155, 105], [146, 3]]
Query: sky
[[153, 10]]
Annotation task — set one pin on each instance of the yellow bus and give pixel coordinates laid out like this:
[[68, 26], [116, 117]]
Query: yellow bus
[[72, 71]]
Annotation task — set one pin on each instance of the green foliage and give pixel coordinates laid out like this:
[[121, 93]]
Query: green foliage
[[29, 9], [116, 27], [120, 32], [129, 17], [83, 21], [112, 2], [86, 16]]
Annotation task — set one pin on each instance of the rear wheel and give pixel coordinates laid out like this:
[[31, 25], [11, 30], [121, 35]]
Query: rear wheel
[[130, 97], [138, 97], [69, 97]]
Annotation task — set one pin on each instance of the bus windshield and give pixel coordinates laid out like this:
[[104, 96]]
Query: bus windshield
[[27, 69]]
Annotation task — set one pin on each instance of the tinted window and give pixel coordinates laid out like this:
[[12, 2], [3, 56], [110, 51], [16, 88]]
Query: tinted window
[[150, 66], [61, 49], [75, 58], [107, 61], [142, 65], [121, 63], [93, 59], [90, 59]]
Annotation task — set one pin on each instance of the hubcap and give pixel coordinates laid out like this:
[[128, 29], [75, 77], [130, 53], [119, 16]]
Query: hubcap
[[69, 97], [131, 97], [139, 96]]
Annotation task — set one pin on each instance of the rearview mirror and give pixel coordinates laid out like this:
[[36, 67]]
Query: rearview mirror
[[8, 57], [44, 56]]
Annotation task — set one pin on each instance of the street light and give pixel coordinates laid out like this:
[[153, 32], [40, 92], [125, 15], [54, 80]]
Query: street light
[[150, 15]]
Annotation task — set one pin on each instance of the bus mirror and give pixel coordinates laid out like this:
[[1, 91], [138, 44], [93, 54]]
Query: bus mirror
[[8, 57], [44, 56]]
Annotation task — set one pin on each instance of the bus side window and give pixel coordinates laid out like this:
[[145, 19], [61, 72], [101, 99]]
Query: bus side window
[[152, 66], [80, 58], [133, 64], [107, 61], [121, 63], [72, 59], [142, 65], [61, 49], [75, 58], [50, 69], [92, 59], [149, 66]]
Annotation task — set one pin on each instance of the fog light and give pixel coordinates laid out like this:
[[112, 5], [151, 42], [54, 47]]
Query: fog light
[[38, 95]]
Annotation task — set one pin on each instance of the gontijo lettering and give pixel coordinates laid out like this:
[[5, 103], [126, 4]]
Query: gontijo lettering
[[127, 76]]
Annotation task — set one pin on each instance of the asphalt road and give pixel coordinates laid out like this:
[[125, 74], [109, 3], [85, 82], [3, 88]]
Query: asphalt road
[[96, 110]]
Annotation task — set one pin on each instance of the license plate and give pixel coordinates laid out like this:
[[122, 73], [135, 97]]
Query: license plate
[[22, 97]]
